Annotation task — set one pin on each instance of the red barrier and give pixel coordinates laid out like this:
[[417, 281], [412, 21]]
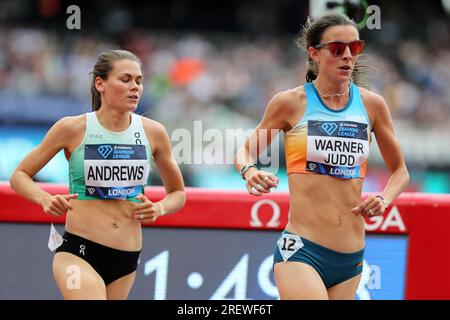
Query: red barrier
[[423, 217]]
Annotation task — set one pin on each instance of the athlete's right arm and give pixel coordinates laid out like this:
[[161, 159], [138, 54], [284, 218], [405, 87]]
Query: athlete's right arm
[[21, 179], [275, 118]]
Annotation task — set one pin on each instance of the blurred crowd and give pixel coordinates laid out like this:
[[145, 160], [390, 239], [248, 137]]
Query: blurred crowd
[[200, 76], [224, 80]]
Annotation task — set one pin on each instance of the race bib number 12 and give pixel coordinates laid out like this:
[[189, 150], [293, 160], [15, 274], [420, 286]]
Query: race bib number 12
[[288, 244]]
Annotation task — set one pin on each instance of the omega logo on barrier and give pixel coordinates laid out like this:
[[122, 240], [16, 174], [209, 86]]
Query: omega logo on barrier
[[392, 220], [254, 213]]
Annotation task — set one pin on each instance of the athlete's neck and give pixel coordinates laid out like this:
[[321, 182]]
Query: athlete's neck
[[327, 87], [113, 120]]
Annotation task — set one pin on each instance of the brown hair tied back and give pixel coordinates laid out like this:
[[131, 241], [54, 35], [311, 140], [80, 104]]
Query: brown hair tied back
[[312, 35], [103, 67]]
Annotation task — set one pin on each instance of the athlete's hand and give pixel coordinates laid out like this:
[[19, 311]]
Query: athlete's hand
[[371, 207], [58, 205], [259, 182], [147, 211]]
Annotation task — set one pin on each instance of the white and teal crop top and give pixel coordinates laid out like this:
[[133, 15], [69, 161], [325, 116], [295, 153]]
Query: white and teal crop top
[[110, 165]]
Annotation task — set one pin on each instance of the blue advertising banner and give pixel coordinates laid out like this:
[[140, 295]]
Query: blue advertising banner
[[192, 264]]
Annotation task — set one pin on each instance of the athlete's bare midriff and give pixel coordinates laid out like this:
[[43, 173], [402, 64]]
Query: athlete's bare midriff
[[320, 205], [107, 222], [320, 211]]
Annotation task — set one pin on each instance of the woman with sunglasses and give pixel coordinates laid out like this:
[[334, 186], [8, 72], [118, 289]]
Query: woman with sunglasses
[[327, 125]]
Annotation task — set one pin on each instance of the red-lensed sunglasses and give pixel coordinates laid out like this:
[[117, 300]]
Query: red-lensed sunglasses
[[337, 48]]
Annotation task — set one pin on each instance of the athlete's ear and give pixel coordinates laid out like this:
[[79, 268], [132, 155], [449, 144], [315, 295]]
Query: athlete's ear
[[314, 54], [99, 85]]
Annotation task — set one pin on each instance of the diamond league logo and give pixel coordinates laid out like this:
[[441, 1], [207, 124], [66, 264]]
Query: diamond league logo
[[329, 128], [312, 166], [91, 190], [105, 151]]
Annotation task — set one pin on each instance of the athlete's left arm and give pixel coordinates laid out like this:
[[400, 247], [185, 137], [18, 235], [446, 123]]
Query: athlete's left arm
[[167, 167], [389, 146]]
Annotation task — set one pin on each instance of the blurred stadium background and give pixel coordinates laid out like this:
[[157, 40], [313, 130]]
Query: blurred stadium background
[[219, 62]]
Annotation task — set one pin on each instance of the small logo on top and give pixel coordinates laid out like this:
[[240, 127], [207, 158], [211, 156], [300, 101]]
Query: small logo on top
[[82, 248], [105, 151], [329, 128]]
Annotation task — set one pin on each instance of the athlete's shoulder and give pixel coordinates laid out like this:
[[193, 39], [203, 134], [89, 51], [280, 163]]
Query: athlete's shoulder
[[288, 100], [65, 131], [71, 124], [290, 96], [151, 124], [284, 109], [153, 128], [375, 105], [156, 133], [371, 99]]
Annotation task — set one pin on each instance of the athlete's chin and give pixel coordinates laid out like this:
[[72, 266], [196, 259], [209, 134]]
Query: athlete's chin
[[343, 76], [131, 106]]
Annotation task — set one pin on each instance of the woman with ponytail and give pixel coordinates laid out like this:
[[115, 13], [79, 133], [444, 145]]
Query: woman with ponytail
[[109, 151], [328, 124]]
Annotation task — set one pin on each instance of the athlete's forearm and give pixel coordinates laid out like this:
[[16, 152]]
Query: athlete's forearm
[[243, 157], [173, 202], [258, 142], [396, 184], [27, 188]]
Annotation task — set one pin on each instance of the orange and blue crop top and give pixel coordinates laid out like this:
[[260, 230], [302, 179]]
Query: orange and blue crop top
[[329, 142]]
